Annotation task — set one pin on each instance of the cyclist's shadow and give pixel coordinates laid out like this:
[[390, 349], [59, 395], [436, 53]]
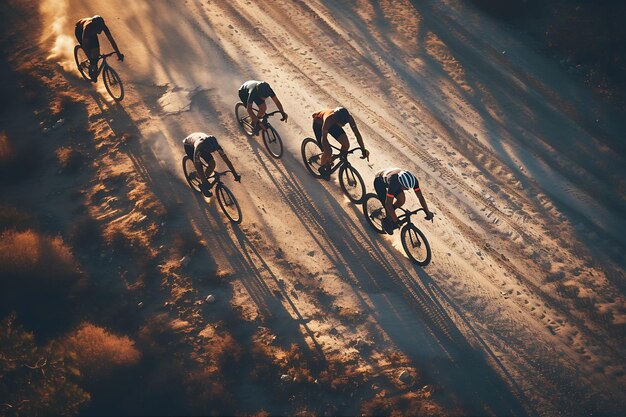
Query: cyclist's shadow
[[362, 258]]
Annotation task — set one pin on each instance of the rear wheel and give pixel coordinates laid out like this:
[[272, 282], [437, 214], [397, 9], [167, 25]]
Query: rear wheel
[[312, 156], [374, 212], [228, 203], [351, 183], [82, 62], [415, 244], [191, 175], [243, 118], [272, 141], [113, 83]]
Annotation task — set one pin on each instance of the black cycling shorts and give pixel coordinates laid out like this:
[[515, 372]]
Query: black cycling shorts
[[381, 189], [207, 156], [243, 96], [335, 131]]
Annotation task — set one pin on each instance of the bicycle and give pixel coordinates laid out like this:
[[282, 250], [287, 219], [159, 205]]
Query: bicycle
[[227, 201], [112, 81], [413, 240], [271, 138], [350, 180]]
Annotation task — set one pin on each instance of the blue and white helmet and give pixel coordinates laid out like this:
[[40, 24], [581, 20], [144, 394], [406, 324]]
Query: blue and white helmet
[[407, 180]]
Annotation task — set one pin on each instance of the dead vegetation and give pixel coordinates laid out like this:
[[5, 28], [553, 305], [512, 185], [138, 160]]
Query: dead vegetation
[[99, 352]]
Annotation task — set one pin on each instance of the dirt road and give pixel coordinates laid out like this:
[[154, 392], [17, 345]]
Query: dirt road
[[522, 309]]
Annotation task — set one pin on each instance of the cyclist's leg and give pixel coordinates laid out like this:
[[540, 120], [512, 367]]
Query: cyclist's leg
[[210, 167], [345, 144], [381, 189], [93, 52], [188, 150], [317, 130], [78, 32], [400, 199]]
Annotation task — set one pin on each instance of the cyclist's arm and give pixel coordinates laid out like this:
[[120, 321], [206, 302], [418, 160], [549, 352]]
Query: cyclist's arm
[[280, 106], [422, 200], [107, 32], [228, 163], [359, 138]]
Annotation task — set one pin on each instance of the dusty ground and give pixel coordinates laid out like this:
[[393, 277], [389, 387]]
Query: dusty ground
[[522, 309]]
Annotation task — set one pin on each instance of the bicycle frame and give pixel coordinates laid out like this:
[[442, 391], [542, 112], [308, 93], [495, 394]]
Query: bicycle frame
[[103, 58], [343, 160], [215, 177], [405, 217]]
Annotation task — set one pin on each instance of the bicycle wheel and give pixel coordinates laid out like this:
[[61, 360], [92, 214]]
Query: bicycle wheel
[[272, 141], [113, 83], [374, 212], [82, 62], [415, 244], [228, 203], [351, 183], [312, 156], [191, 175], [243, 118]]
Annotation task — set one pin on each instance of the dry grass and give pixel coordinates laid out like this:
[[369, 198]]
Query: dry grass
[[99, 352], [39, 277], [69, 159], [35, 260]]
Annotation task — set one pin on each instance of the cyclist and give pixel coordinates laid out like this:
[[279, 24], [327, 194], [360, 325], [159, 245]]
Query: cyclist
[[200, 145], [256, 92], [331, 121], [391, 184], [87, 31]]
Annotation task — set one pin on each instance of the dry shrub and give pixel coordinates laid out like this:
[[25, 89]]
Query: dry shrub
[[11, 218], [39, 277], [69, 159], [98, 352]]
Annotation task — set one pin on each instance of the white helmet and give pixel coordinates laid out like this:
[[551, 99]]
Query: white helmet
[[407, 180]]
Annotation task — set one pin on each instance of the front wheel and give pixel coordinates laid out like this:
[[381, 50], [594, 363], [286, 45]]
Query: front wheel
[[272, 141], [415, 245], [113, 83], [243, 118], [374, 212], [191, 174], [82, 62], [351, 183], [312, 156], [228, 203]]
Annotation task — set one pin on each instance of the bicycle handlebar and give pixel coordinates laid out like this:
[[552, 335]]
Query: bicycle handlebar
[[266, 115], [408, 213], [349, 152], [217, 173]]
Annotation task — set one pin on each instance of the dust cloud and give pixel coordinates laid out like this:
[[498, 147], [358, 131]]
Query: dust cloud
[[62, 51]]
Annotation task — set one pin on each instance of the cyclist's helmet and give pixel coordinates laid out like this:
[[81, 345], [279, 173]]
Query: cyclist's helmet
[[98, 21], [407, 180], [342, 115]]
